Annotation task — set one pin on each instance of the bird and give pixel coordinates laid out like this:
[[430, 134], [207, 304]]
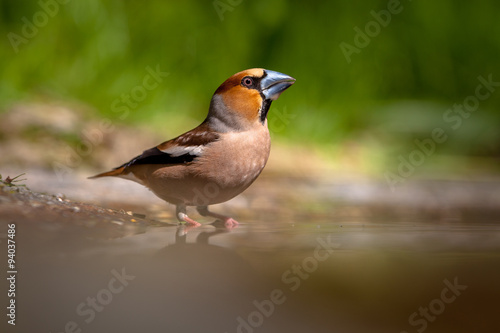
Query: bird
[[220, 158]]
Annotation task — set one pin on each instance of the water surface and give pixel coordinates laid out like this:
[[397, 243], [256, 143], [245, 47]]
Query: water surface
[[264, 276]]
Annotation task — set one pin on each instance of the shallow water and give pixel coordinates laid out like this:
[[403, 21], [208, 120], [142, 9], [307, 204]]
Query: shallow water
[[322, 275], [310, 255]]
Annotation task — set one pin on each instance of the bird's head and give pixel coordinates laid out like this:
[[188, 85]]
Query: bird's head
[[244, 99]]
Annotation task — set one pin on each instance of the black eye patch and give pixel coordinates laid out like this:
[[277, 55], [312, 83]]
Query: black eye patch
[[251, 82]]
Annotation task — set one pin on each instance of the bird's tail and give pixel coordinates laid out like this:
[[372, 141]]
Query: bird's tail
[[113, 173]]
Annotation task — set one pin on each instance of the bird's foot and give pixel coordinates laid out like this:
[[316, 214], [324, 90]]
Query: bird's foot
[[230, 223], [191, 222], [225, 222], [182, 216]]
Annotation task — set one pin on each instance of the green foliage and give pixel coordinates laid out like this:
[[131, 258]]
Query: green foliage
[[396, 88], [12, 182]]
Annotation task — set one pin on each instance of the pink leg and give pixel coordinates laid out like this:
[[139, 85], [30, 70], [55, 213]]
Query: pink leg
[[182, 216], [189, 220], [228, 221]]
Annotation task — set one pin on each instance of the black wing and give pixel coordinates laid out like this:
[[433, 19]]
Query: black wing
[[156, 156]]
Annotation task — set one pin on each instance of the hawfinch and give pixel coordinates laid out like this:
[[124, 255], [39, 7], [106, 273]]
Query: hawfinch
[[220, 158]]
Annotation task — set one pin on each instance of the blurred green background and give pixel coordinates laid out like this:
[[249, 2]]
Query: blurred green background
[[393, 90]]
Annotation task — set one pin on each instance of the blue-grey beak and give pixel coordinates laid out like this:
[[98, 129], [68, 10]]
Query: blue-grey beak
[[274, 83]]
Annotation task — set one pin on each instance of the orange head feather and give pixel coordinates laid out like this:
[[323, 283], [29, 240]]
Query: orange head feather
[[245, 97]]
